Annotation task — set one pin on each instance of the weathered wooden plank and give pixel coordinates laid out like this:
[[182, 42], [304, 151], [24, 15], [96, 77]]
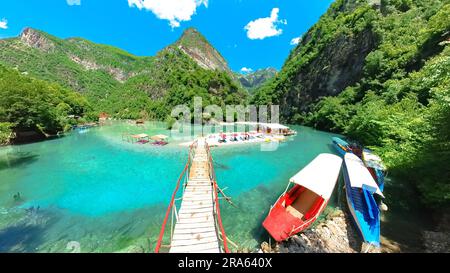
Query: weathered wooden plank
[[194, 225], [214, 250], [198, 188], [188, 202], [212, 247], [203, 219], [199, 193], [185, 215], [181, 230], [195, 236], [192, 242], [192, 197], [196, 206], [191, 209]]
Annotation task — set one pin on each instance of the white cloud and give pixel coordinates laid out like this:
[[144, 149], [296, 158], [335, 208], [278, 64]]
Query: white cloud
[[73, 2], [246, 70], [296, 41], [175, 11], [265, 27], [4, 24]]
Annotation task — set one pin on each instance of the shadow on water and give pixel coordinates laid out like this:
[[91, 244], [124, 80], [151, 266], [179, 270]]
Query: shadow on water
[[18, 160], [21, 238], [219, 166], [26, 235]]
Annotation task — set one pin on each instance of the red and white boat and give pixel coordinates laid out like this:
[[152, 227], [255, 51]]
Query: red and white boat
[[305, 198]]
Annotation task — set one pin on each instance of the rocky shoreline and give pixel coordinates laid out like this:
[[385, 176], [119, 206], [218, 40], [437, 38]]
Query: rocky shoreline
[[334, 234], [337, 234]]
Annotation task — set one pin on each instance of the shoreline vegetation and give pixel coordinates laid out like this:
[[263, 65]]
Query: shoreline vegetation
[[393, 97]]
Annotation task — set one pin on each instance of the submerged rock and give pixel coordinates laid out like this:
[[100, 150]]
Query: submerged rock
[[132, 249], [436, 242]]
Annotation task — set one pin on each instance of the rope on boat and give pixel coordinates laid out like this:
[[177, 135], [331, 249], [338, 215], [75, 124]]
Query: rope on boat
[[367, 248]]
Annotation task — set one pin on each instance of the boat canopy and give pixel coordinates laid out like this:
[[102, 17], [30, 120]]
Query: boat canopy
[[340, 141], [359, 175], [159, 137], [140, 136], [226, 123], [372, 160], [247, 123], [321, 175], [273, 126]]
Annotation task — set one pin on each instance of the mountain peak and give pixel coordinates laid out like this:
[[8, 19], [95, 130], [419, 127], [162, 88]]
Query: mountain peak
[[36, 39], [196, 46]]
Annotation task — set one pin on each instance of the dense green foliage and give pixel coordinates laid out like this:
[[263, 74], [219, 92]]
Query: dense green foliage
[[118, 83], [28, 104], [5, 133], [400, 106]]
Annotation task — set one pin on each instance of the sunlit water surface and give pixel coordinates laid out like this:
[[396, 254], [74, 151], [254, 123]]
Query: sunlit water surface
[[107, 195]]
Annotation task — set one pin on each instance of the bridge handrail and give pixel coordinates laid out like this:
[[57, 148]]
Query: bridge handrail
[[172, 201], [216, 197]]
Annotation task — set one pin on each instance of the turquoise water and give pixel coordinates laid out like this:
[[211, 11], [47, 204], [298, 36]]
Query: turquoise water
[[108, 195]]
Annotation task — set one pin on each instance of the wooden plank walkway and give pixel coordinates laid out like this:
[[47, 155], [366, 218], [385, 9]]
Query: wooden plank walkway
[[195, 230]]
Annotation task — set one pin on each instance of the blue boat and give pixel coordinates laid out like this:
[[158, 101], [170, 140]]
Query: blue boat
[[341, 146], [361, 190]]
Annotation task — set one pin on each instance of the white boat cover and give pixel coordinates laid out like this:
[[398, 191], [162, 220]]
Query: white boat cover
[[321, 175], [359, 175], [372, 160], [274, 126]]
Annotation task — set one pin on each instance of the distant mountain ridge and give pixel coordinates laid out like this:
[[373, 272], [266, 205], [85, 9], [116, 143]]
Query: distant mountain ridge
[[253, 80]]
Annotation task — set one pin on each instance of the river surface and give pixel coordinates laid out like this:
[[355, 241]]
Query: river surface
[[94, 192]]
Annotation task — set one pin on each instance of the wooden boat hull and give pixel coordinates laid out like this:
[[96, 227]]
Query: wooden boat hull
[[282, 224], [341, 146], [300, 206], [368, 228]]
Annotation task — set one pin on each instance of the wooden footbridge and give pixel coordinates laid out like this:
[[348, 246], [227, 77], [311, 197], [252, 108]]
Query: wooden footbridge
[[197, 226]]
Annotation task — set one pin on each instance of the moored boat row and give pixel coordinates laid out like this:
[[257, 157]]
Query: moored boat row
[[309, 191]]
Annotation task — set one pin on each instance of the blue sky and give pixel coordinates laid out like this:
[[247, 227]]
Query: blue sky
[[250, 34]]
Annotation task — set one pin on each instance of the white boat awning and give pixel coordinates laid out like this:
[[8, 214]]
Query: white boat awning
[[359, 175], [321, 175], [274, 126], [373, 160]]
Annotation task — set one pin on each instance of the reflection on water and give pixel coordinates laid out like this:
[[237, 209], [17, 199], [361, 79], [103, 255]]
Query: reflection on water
[[17, 160], [108, 195]]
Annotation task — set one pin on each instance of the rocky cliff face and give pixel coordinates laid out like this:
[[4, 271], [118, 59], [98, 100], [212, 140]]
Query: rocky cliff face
[[330, 57], [36, 39], [195, 45], [339, 65]]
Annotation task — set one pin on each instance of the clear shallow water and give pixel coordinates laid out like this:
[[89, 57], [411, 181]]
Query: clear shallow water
[[106, 194]]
